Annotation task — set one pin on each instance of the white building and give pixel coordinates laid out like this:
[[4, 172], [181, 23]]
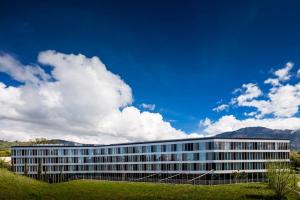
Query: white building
[[196, 160]]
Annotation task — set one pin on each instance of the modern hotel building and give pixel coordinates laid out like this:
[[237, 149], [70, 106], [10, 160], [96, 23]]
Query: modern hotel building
[[197, 160]]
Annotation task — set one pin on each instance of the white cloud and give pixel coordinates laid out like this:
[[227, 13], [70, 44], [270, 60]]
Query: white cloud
[[281, 104], [284, 73], [250, 91], [150, 107], [22, 73], [205, 123], [231, 123], [237, 90], [272, 81], [285, 100], [282, 100], [220, 108], [80, 100], [250, 114]]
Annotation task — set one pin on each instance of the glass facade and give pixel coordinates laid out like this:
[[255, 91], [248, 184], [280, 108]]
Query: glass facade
[[188, 156]]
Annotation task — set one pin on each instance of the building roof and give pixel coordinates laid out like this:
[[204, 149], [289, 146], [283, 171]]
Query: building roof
[[146, 142]]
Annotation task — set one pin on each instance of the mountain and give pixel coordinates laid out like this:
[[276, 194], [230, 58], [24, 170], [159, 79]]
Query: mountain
[[249, 132], [261, 132]]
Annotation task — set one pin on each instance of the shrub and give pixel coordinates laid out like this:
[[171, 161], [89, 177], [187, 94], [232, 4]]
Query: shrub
[[4, 164], [281, 178], [295, 159], [4, 152]]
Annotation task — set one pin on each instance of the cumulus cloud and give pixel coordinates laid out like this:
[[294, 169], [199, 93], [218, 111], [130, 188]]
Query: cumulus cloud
[[148, 106], [220, 108], [79, 100], [275, 108]]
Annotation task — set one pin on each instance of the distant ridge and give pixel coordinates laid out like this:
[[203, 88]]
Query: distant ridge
[[249, 132], [262, 132]]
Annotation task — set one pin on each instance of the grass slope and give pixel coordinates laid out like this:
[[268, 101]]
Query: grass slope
[[13, 186]]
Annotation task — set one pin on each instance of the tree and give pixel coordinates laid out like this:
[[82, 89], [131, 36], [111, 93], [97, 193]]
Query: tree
[[4, 164], [244, 176], [61, 174], [45, 175], [12, 167], [281, 178], [236, 176], [39, 171], [25, 169]]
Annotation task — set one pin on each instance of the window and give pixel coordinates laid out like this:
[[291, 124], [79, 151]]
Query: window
[[188, 147]]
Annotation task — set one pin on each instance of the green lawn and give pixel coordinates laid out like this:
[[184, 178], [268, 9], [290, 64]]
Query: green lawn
[[18, 187]]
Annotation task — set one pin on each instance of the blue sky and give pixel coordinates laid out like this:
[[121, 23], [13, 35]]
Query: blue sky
[[182, 56]]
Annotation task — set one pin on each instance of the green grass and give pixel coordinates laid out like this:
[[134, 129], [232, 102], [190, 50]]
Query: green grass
[[13, 186]]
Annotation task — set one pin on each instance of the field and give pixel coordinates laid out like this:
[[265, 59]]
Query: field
[[18, 187]]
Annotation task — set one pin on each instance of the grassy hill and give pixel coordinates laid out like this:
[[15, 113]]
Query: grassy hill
[[13, 186]]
